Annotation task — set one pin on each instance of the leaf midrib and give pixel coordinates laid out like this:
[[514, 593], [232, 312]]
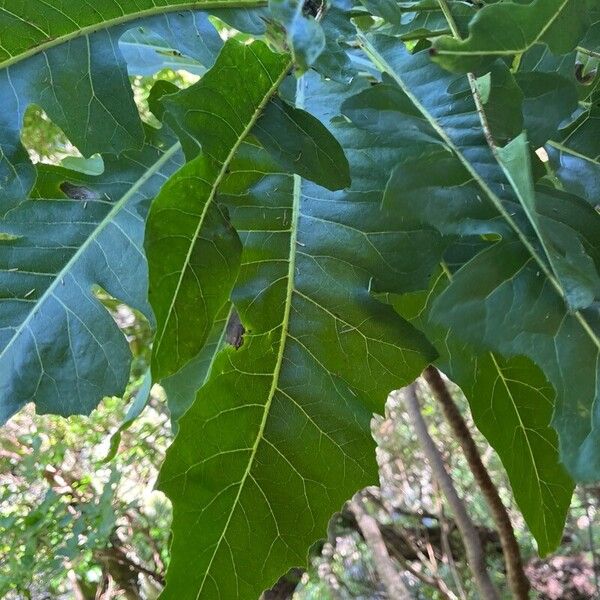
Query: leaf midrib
[[276, 370], [567, 150], [157, 10], [296, 195], [117, 207]]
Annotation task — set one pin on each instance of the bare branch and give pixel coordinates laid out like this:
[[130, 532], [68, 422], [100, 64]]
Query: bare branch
[[517, 580], [475, 554]]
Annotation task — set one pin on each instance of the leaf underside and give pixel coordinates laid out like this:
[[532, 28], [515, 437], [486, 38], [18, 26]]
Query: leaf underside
[[313, 244], [252, 496]]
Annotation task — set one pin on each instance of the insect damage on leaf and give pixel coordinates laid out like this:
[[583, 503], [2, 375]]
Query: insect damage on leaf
[[78, 192], [234, 334]]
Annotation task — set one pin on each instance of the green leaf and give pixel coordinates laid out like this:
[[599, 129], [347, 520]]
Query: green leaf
[[448, 114], [337, 28], [388, 10], [60, 347], [571, 139], [420, 19], [181, 388], [251, 498], [304, 36], [430, 186], [567, 250], [334, 61], [591, 41], [578, 172], [37, 26], [499, 301], [186, 40], [193, 252], [575, 157], [549, 99], [508, 28], [428, 20], [51, 272], [83, 87], [503, 102], [512, 404], [455, 121], [67, 60], [302, 145]]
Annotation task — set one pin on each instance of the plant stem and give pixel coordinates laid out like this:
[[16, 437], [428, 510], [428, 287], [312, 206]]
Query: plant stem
[[470, 537], [449, 18], [517, 580]]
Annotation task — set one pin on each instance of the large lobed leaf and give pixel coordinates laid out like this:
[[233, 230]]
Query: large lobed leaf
[[60, 348], [438, 183], [31, 26], [251, 498], [526, 279], [82, 83], [193, 252]]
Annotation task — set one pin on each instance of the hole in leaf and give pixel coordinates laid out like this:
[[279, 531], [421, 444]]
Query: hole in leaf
[[542, 155], [134, 325], [44, 140]]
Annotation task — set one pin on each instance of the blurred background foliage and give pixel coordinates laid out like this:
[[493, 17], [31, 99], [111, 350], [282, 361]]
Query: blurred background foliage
[[79, 516], [76, 525]]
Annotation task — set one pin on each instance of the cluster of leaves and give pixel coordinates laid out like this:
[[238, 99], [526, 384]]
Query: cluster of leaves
[[353, 192]]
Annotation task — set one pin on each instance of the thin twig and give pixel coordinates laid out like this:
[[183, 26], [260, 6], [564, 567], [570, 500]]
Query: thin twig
[[435, 580], [449, 18], [517, 580], [430, 563], [470, 537]]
